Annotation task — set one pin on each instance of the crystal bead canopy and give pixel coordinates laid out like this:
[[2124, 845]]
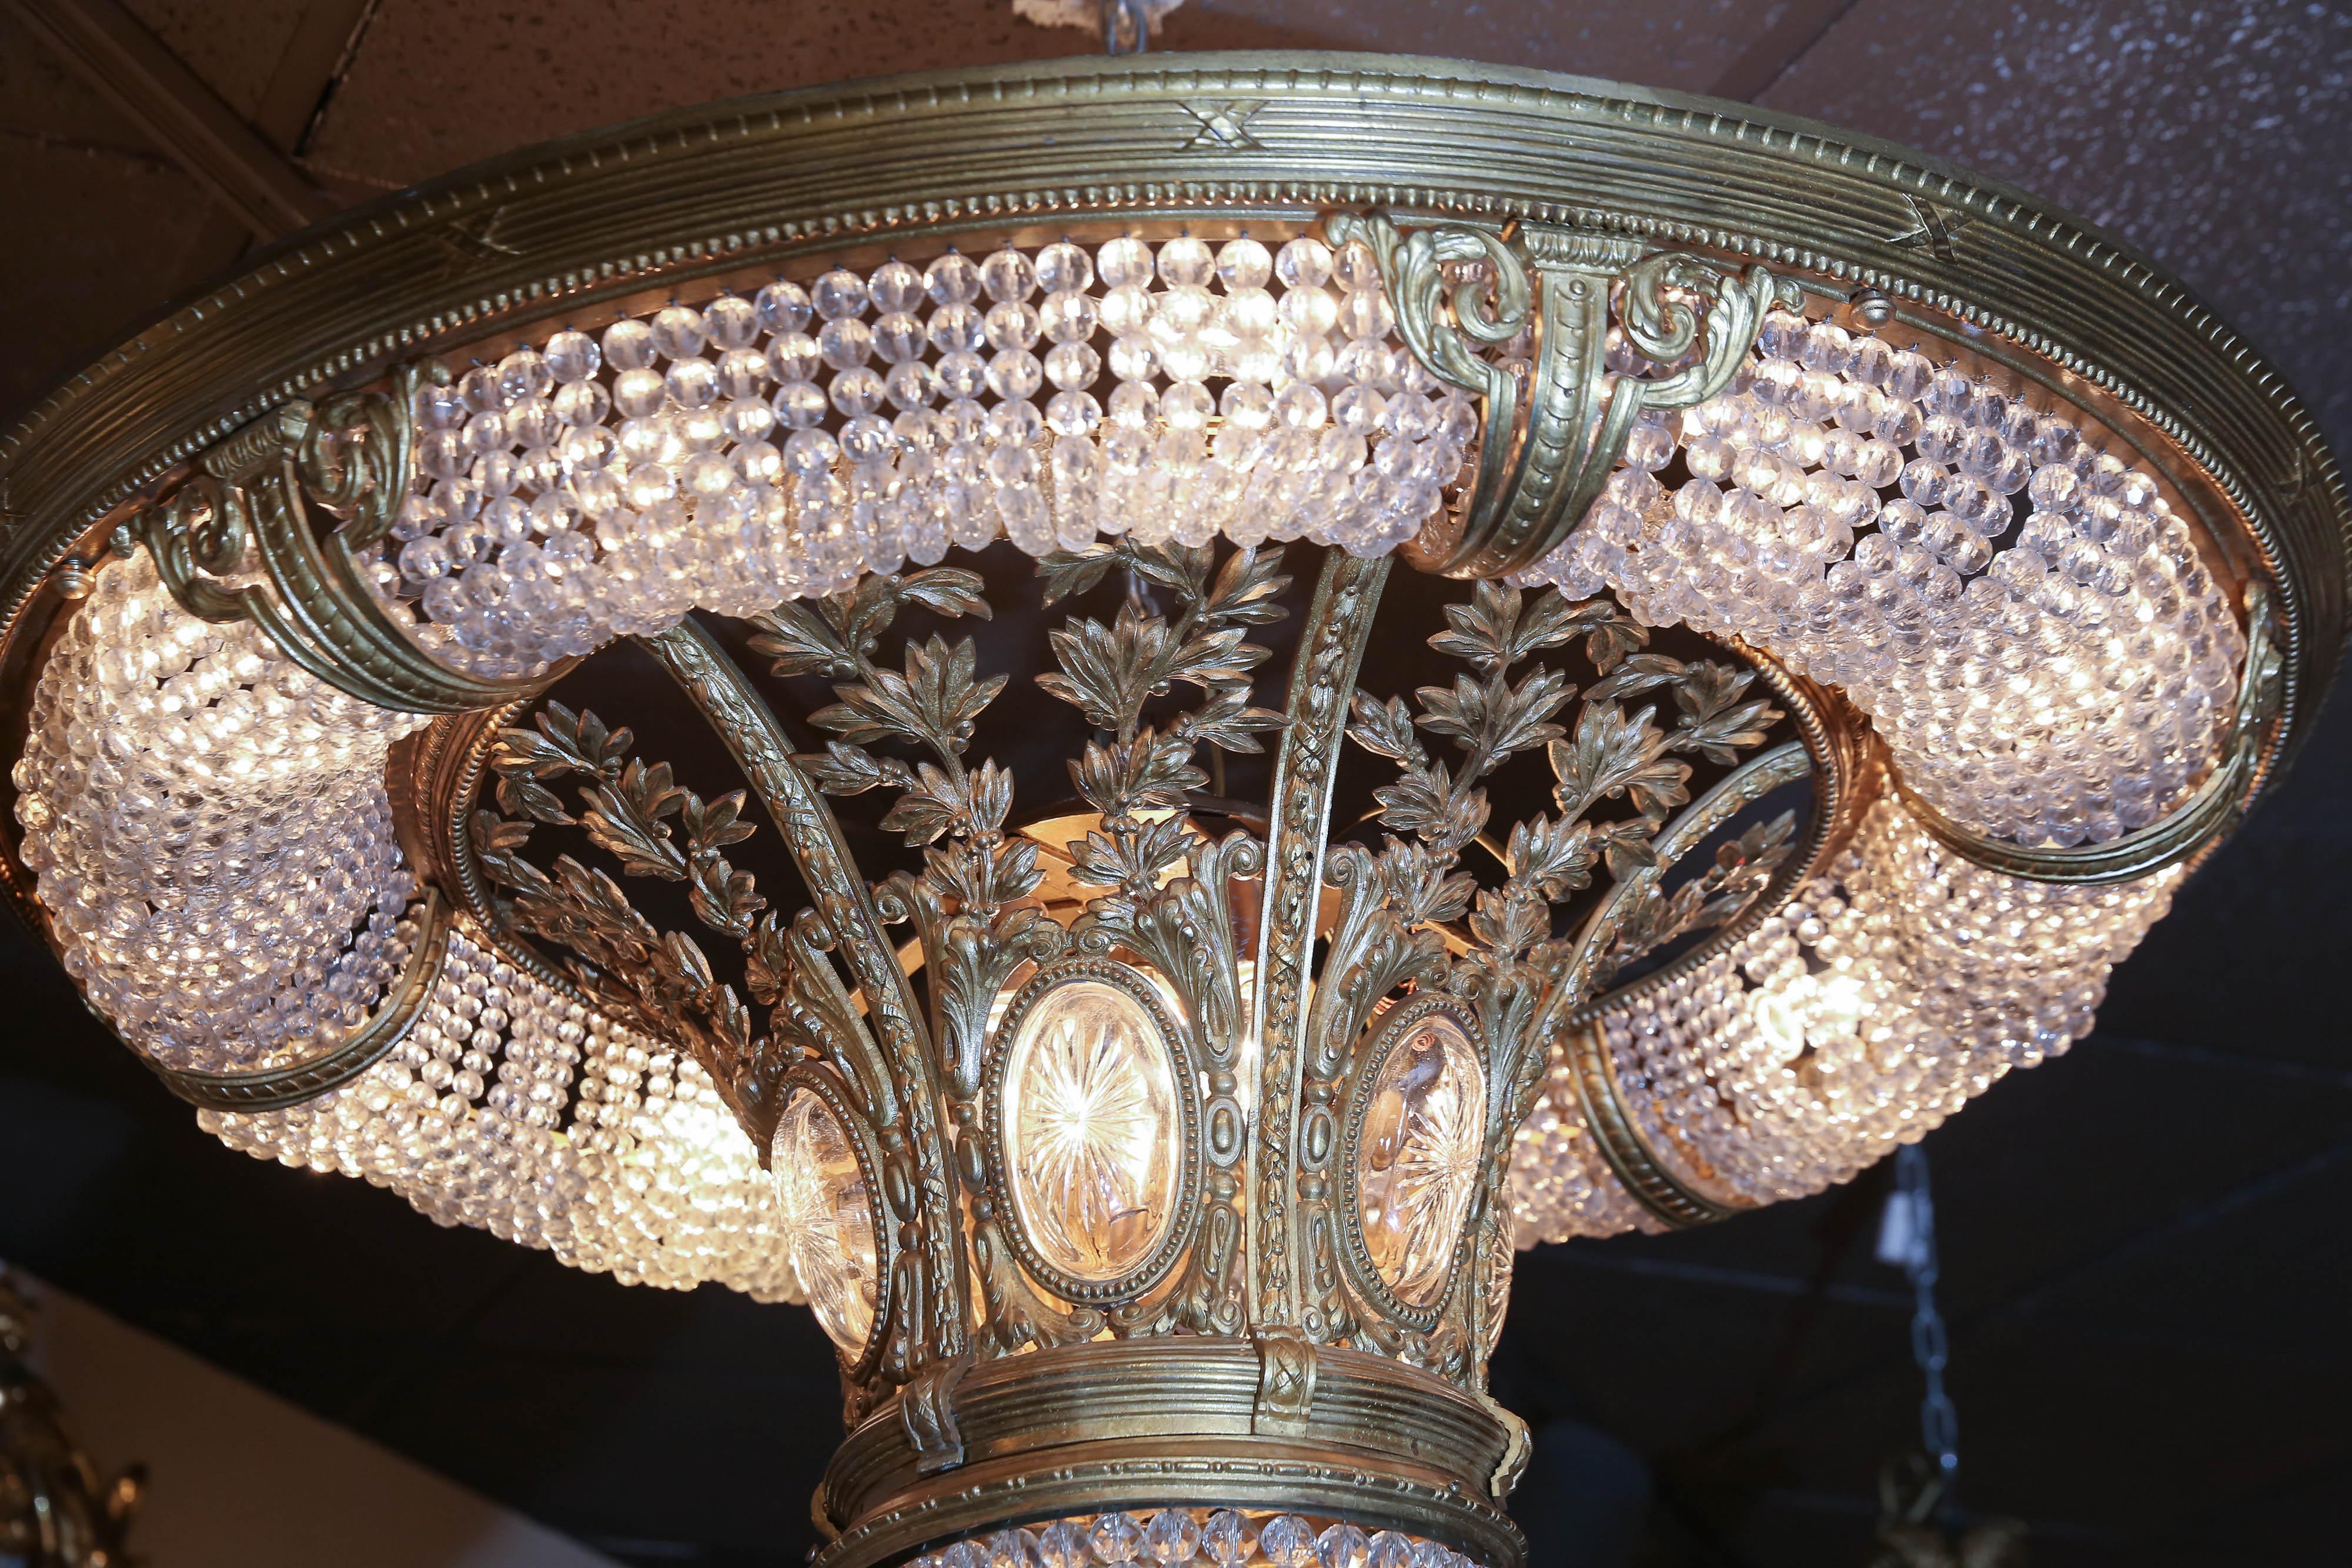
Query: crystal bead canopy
[[1173, 1537], [1115, 915], [784, 442]]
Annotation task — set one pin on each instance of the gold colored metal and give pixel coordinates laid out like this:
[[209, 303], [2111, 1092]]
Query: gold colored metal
[[1184, 1150], [1524, 984], [1621, 1143], [1846, 769], [789, 172], [1867, 311], [306, 1078], [570, 230], [353, 456], [844, 1102], [1591, 968], [1646, 1174], [1286, 1364], [1179, 1421], [1554, 431], [1364, 1273], [2199, 824], [923, 1323], [1260, 1364], [996, 1382], [1835, 747], [1330, 650], [662, 979], [74, 577], [55, 1511]]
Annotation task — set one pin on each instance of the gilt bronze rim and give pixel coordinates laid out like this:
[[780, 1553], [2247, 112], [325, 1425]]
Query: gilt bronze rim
[[580, 223], [1171, 1422]]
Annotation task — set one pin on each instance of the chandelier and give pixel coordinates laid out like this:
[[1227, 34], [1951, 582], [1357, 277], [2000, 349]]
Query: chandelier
[[1120, 720], [54, 1508]]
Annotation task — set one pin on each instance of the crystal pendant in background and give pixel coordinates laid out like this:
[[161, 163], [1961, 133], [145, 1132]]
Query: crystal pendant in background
[[1417, 1160], [824, 1213], [1091, 1120]]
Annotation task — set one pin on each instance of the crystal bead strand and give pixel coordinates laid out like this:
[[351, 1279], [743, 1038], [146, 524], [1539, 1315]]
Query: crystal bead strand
[[750, 450], [2022, 616], [208, 828], [1194, 1538], [514, 1110], [1884, 997]]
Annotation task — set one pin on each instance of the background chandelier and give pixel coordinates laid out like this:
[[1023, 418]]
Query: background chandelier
[[1550, 659]]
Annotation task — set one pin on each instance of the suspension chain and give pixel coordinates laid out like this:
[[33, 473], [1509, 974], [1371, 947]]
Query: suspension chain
[[1126, 27], [1907, 1237]]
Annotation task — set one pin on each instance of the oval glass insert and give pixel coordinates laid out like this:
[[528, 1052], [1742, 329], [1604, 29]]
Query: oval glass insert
[[1418, 1157], [1091, 1121], [824, 1217]]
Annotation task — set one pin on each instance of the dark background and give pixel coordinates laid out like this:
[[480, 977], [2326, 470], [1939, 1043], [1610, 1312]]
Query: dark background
[[2144, 1242]]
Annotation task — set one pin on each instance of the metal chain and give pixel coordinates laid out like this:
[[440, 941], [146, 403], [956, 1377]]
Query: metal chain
[[1126, 27], [1907, 1236]]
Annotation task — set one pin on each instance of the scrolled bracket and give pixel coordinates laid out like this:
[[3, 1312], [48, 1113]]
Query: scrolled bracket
[[2202, 821], [1553, 428], [1446, 317], [1287, 1365], [927, 1406], [276, 1088], [236, 543]]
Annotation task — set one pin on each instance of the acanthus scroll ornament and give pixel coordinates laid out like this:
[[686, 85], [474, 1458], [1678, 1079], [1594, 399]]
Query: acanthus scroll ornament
[[237, 541], [1521, 317]]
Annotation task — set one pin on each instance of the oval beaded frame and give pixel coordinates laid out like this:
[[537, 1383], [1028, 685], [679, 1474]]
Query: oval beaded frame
[[816, 1078], [1174, 1039], [1388, 1035]]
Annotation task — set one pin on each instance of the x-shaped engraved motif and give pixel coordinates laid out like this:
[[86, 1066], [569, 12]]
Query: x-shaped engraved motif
[[1933, 232], [1224, 123]]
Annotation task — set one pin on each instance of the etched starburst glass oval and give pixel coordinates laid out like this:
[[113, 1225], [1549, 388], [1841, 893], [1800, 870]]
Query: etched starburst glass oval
[[1417, 1161], [825, 1218], [1091, 1122]]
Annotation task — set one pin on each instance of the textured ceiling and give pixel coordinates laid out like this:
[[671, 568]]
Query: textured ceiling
[[2144, 1242], [2210, 136]]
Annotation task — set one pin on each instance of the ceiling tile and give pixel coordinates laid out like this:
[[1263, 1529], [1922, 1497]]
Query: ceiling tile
[[233, 45], [43, 101], [1681, 44], [441, 83], [77, 288], [2209, 135]]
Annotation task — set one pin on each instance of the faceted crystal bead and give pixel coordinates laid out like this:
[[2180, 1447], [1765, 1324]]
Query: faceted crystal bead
[[1171, 1536], [1226, 1538], [1288, 1541], [1114, 1539], [1342, 1545]]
